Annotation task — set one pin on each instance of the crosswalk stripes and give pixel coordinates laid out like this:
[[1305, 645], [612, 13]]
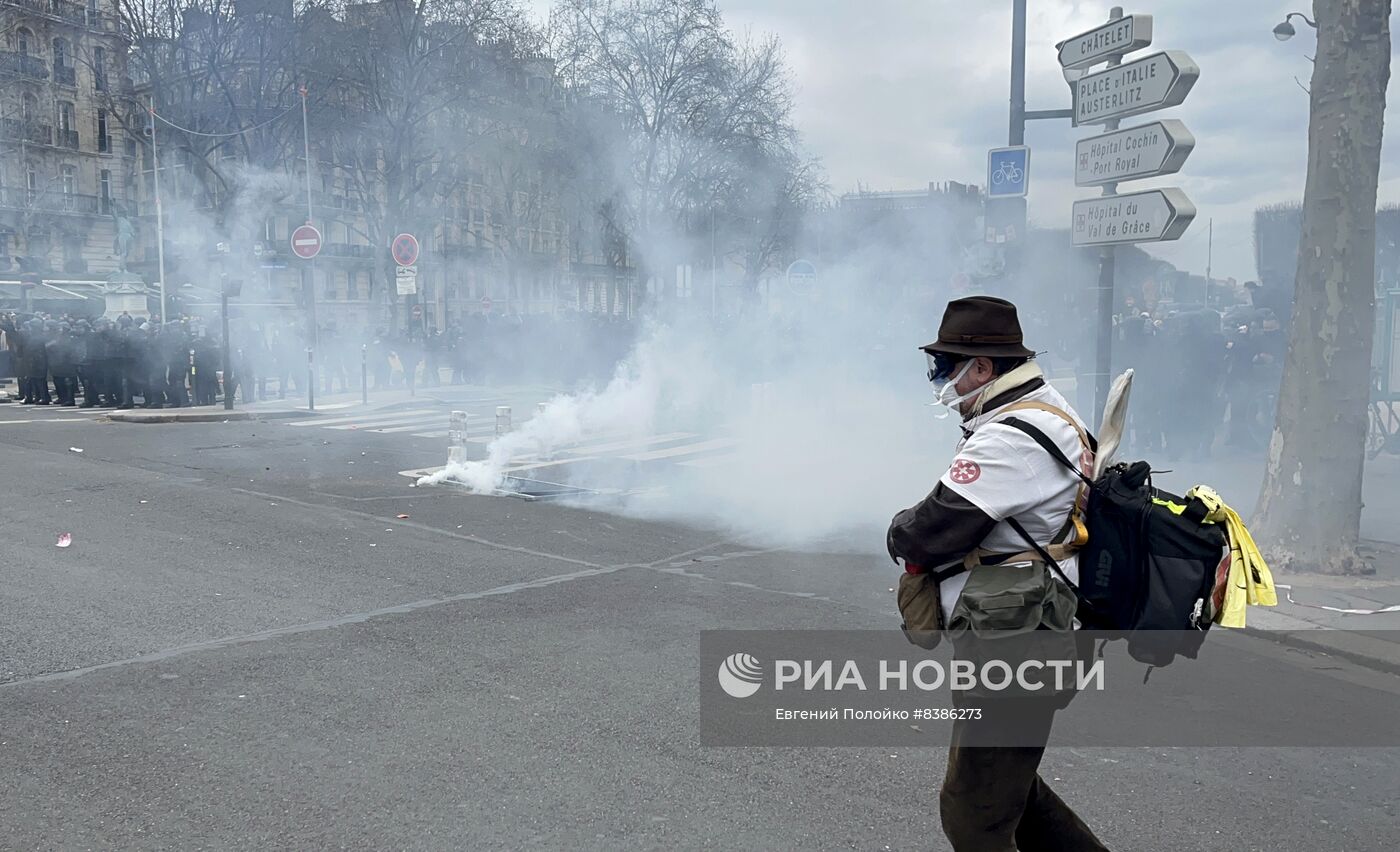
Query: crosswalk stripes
[[689, 449]]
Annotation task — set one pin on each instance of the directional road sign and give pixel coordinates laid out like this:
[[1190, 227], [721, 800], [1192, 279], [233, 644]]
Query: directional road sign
[[1155, 215], [1124, 35], [1008, 172], [1154, 82], [1149, 150], [306, 242], [406, 280], [404, 248]]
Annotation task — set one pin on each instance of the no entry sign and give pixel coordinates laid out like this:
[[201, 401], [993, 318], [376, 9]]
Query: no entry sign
[[405, 249], [306, 242]]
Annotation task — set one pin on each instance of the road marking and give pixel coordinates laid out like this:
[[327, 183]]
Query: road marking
[[418, 421], [623, 445], [419, 425], [552, 463], [712, 461], [685, 450], [365, 418]]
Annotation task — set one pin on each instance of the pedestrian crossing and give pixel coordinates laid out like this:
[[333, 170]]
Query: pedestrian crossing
[[679, 448]]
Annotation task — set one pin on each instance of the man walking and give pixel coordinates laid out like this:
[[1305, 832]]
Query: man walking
[[1000, 487]]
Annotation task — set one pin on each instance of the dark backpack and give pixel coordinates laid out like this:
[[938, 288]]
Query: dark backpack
[[1150, 564]]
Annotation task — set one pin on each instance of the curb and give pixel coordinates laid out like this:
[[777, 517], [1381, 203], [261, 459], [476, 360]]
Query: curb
[[1375, 654], [219, 416]]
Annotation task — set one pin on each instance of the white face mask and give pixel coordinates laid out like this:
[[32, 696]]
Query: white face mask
[[945, 392]]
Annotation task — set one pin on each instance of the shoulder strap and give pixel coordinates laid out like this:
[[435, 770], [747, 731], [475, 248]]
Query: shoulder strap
[[1046, 444], [1035, 405], [1043, 553]]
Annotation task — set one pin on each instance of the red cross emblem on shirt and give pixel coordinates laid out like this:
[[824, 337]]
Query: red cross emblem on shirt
[[964, 471]]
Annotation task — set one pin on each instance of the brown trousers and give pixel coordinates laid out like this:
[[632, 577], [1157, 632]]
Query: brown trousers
[[993, 799]]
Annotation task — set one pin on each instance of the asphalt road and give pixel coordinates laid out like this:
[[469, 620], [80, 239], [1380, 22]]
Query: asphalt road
[[244, 647]]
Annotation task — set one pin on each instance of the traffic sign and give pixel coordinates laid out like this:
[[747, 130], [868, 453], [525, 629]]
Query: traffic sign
[[306, 242], [404, 248], [416, 311], [1124, 35], [1154, 82], [406, 280], [1008, 172], [801, 275], [1149, 150], [1155, 215], [486, 304]]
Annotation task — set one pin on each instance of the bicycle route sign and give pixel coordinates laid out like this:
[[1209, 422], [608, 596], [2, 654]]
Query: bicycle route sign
[[1008, 172]]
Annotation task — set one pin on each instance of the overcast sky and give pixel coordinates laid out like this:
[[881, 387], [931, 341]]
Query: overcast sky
[[893, 94]]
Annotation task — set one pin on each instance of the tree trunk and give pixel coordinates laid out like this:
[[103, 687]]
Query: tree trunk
[[1309, 513]]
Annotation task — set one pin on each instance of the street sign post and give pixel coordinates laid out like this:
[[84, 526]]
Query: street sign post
[[406, 280], [1153, 82], [1149, 150], [1157, 81], [486, 304], [306, 242], [1124, 35], [1153, 215], [404, 248], [1008, 172]]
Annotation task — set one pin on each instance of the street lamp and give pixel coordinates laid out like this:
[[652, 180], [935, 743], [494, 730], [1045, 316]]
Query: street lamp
[[1284, 31]]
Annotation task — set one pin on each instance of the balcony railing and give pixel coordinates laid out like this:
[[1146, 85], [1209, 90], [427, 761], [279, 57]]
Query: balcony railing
[[346, 250], [23, 65], [63, 10], [67, 139], [66, 75], [49, 202], [28, 131]]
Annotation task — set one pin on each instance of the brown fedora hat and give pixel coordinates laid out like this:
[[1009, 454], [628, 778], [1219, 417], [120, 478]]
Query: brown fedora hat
[[980, 326]]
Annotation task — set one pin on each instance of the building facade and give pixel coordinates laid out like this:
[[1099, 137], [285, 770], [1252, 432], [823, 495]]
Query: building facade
[[66, 168]]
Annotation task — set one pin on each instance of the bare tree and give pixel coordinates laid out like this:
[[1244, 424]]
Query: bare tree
[[702, 114], [224, 82], [1310, 504], [400, 85]]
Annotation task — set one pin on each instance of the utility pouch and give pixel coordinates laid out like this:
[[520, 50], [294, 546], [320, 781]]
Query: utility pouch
[[1014, 613], [1007, 599], [920, 607]]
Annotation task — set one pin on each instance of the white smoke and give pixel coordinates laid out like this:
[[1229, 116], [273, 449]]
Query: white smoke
[[820, 414]]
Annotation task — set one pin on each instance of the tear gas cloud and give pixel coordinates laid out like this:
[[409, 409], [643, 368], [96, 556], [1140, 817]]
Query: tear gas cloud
[[818, 413]]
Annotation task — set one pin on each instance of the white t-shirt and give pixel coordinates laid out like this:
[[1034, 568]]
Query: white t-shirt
[[1005, 473]]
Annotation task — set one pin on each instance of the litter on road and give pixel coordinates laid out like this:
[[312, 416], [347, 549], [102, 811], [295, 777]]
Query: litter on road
[[64, 539]]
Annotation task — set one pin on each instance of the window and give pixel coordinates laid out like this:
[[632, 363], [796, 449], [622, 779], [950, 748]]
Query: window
[[31, 185], [30, 109], [65, 116], [99, 68], [104, 190], [104, 142], [68, 177], [60, 53], [23, 37]]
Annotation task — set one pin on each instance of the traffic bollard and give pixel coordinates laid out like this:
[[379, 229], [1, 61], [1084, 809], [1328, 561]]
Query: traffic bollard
[[502, 420], [457, 437], [364, 375], [310, 380]]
